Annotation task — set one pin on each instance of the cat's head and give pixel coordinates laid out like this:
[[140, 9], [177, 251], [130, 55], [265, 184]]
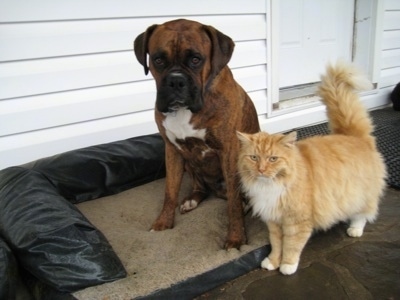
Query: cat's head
[[264, 155]]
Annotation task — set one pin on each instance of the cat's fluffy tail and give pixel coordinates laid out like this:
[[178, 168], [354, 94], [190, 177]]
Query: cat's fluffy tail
[[338, 90]]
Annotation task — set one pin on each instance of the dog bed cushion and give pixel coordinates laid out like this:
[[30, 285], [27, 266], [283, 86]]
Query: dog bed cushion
[[43, 232]]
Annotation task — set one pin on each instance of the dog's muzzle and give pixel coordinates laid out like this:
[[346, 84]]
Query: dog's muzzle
[[176, 80], [177, 91]]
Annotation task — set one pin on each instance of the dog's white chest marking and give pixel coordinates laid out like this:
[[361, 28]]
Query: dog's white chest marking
[[177, 126]]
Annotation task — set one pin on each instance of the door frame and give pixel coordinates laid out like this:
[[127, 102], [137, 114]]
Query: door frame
[[368, 28]]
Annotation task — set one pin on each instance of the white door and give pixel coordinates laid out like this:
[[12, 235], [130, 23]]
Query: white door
[[312, 33]]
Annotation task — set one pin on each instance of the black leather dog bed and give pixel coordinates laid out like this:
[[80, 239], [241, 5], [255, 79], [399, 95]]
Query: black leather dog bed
[[45, 241]]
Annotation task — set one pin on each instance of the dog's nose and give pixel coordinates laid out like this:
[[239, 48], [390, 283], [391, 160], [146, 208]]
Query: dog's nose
[[176, 81]]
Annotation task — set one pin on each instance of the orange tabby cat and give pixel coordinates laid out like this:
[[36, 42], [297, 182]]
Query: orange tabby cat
[[296, 187]]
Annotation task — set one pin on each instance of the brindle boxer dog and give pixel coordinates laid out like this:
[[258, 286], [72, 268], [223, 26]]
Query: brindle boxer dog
[[199, 108]]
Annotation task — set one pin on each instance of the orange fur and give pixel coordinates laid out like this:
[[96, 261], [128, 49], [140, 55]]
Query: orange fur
[[296, 187]]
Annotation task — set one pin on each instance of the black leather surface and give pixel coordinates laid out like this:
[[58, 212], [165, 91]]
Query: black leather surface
[[42, 231]]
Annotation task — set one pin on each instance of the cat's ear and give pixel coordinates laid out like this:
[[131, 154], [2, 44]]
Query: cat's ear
[[289, 139], [243, 137]]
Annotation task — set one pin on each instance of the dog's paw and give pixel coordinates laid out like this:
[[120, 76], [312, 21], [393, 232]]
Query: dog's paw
[[159, 226], [233, 245], [355, 231], [266, 264], [188, 205], [235, 241], [288, 269]]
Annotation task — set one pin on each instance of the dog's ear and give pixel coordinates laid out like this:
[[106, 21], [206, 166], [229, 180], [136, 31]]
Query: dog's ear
[[140, 47], [222, 49]]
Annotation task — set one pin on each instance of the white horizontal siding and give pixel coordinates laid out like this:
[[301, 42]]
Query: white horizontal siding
[[25, 147], [77, 76], [57, 109], [390, 59], [391, 39], [392, 20], [69, 77], [42, 76], [392, 4], [23, 41], [50, 10], [45, 111]]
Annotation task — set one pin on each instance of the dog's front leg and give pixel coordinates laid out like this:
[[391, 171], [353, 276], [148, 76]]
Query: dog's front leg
[[236, 231], [175, 167]]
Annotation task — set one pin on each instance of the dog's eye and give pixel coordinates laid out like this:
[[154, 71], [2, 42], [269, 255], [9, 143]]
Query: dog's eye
[[158, 61], [196, 60]]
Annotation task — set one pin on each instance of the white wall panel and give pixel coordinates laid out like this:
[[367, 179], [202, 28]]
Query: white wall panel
[[390, 59], [53, 39], [392, 4], [45, 10], [389, 77], [25, 147], [392, 20], [52, 110], [69, 77], [56, 109], [33, 77], [391, 39]]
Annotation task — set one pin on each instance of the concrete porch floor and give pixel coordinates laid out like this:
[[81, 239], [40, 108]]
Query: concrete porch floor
[[333, 265]]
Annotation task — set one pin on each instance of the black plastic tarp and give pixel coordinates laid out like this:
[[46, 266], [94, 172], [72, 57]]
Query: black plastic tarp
[[42, 233]]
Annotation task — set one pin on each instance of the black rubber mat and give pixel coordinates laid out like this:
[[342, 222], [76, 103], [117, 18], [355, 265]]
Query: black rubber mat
[[387, 133]]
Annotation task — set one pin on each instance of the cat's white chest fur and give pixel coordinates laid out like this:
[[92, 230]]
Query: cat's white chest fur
[[264, 197], [177, 126]]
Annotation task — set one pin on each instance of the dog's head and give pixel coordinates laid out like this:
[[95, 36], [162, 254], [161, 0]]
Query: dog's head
[[184, 58]]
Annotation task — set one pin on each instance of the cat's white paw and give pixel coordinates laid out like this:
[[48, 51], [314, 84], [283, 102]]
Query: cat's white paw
[[288, 269], [355, 231], [266, 264], [188, 205]]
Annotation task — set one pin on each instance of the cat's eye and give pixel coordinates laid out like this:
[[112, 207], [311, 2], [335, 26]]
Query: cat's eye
[[253, 157], [273, 158]]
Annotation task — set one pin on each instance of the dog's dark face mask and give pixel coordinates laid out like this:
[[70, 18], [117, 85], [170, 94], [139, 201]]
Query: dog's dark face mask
[[184, 58], [178, 90]]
